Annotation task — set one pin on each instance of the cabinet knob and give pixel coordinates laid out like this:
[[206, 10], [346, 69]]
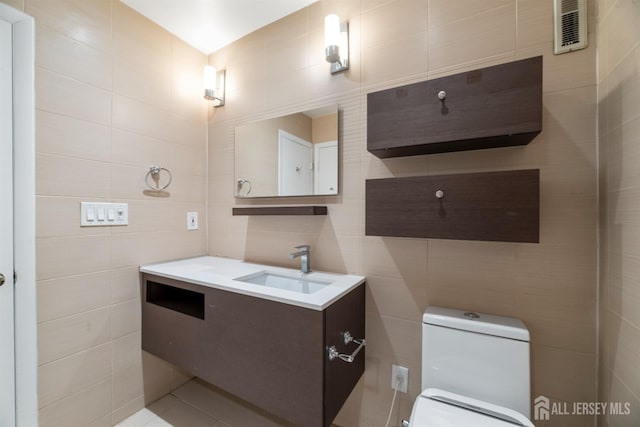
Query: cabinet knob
[[1, 279], [442, 95], [439, 194]]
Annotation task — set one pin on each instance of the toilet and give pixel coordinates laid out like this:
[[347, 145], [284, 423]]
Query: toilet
[[475, 371]]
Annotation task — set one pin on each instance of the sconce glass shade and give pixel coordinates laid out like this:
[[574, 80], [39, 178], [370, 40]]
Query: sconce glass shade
[[336, 43], [331, 30], [214, 85], [209, 82]]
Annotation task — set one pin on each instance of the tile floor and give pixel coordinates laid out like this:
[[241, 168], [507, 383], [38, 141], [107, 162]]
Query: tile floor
[[198, 404]]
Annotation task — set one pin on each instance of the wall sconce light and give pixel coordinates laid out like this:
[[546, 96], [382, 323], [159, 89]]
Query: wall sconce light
[[336, 43], [214, 85]]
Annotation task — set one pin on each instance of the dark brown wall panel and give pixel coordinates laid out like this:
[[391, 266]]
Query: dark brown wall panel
[[492, 206], [491, 107]]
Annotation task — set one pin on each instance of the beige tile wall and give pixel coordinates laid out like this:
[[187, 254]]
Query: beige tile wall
[[619, 133], [551, 286], [115, 94]]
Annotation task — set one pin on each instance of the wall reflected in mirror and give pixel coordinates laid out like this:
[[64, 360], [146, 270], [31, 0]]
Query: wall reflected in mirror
[[291, 155]]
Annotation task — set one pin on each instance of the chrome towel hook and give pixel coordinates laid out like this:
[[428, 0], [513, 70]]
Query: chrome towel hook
[[154, 174], [241, 183]]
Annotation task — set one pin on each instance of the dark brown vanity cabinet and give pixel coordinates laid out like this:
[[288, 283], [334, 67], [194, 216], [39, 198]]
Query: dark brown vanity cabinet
[[271, 354], [491, 107], [493, 206]]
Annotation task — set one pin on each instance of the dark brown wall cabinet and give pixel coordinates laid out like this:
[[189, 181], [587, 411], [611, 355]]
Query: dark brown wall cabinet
[[491, 107], [492, 206], [271, 354]]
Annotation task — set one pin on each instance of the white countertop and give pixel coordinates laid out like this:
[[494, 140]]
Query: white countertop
[[220, 273]]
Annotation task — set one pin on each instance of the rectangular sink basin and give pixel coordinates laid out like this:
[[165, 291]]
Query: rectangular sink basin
[[270, 279]]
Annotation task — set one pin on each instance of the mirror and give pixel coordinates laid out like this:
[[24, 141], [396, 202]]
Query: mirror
[[292, 155]]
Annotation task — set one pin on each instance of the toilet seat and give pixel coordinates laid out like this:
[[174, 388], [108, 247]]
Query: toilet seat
[[439, 408]]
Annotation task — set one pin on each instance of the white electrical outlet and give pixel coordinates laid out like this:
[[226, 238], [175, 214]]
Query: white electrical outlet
[[399, 378], [192, 220]]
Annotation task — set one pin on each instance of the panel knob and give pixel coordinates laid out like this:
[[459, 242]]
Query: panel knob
[[439, 194], [442, 95], [1, 279]]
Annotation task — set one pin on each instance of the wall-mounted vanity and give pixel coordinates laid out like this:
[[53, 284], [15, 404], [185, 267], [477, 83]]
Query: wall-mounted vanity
[[289, 343], [290, 155]]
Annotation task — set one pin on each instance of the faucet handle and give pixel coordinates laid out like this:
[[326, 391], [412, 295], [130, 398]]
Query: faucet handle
[[304, 247]]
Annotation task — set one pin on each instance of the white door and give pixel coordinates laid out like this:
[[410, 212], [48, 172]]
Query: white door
[[325, 167], [7, 343], [295, 165]]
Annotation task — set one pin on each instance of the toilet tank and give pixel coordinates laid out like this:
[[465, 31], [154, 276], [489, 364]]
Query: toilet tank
[[484, 357]]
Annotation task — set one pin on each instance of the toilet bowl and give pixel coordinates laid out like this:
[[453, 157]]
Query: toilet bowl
[[475, 371]]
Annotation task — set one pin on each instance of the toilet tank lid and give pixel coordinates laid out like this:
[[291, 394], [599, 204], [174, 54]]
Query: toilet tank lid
[[489, 324]]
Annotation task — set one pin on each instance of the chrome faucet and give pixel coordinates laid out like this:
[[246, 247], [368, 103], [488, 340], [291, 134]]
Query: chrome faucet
[[303, 253]]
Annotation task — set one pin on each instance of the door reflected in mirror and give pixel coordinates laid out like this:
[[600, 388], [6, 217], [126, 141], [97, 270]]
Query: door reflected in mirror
[[292, 155]]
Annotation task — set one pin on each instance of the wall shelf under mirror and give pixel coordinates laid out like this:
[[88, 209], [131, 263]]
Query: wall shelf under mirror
[[281, 210]]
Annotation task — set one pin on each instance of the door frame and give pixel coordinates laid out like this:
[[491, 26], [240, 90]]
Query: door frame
[[316, 167], [26, 351], [286, 135], [7, 320]]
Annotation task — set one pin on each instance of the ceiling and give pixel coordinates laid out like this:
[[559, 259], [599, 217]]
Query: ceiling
[[209, 25]]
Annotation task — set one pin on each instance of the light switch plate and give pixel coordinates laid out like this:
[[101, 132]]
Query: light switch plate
[[192, 220], [103, 214]]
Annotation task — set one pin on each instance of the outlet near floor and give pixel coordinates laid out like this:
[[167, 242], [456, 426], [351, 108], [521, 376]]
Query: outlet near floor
[[399, 378]]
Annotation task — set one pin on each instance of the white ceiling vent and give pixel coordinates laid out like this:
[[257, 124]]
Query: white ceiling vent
[[570, 25]]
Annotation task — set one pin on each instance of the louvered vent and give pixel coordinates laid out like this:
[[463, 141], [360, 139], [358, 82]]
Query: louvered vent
[[570, 19]]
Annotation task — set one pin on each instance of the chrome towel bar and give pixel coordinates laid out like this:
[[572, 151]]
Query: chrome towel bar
[[332, 352]]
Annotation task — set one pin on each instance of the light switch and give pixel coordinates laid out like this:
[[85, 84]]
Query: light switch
[[192, 220], [103, 214]]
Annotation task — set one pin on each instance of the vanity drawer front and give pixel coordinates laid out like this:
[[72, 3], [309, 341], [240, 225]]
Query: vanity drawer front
[[267, 353], [492, 206], [491, 107], [346, 314]]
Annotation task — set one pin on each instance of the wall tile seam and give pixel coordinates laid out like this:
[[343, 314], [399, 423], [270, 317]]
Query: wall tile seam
[[105, 344], [103, 307], [110, 306], [70, 116], [113, 412], [602, 17], [105, 88], [67, 156], [70, 78], [44, 23], [76, 393], [613, 372], [611, 130], [112, 93], [628, 54], [564, 349], [489, 11], [414, 323], [238, 119], [622, 319]]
